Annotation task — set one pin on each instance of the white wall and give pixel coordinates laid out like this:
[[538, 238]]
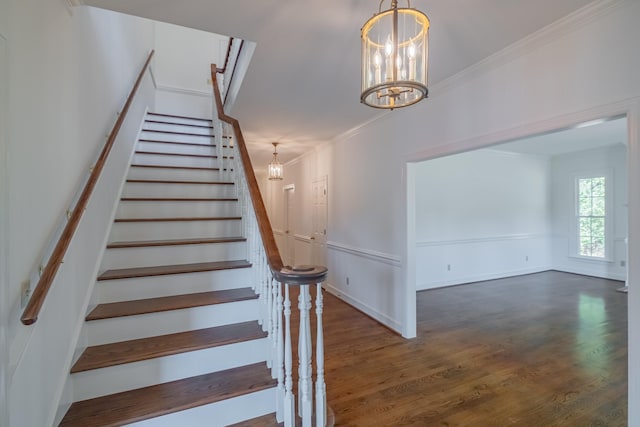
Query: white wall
[[4, 241], [564, 170], [182, 68], [70, 72], [481, 215]]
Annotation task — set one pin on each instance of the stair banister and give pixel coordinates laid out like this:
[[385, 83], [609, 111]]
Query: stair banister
[[48, 274], [273, 283]]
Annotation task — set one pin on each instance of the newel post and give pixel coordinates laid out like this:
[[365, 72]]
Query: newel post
[[310, 410]]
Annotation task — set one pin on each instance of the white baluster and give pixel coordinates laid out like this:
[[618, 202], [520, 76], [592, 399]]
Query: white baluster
[[267, 327], [304, 355], [321, 389], [280, 357], [273, 355], [289, 400]]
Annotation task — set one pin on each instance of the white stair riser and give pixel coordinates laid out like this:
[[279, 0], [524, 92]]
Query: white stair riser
[[219, 414], [177, 174], [172, 284], [129, 376], [137, 189], [175, 254], [133, 231], [178, 120], [197, 139], [158, 147], [175, 127], [157, 159], [148, 325], [173, 209]]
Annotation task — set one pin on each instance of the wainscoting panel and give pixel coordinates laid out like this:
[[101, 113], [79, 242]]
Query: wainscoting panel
[[452, 262]]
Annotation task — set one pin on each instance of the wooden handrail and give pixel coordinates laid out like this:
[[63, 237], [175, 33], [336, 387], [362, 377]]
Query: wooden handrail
[[226, 59], [31, 311], [282, 273]]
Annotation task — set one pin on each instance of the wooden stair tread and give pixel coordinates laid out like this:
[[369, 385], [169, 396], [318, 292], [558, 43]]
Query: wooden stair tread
[[148, 402], [178, 117], [173, 132], [174, 242], [160, 153], [174, 302], [179, 199], [164, 122], [162, 270], [162, 181], [102, 356], [180, 219], [176, 167]]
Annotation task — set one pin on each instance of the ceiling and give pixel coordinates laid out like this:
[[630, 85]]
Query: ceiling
[[303, 85], [588, 136]]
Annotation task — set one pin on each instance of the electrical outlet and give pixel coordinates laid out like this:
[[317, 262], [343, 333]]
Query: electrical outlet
[[347, 281], [25, 293], [448, 267], [623, 263], [526, 258]]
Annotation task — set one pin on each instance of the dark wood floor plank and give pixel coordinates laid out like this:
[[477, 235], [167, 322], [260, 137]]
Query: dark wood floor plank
[[101, 356], [162, 270], [174, 242], [141, 404], [546, 349], [177, 302]]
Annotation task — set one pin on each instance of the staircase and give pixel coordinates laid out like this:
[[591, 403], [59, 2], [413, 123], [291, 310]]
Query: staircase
[[174, 338]]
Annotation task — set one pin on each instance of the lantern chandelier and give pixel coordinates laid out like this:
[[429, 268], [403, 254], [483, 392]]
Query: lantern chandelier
[[395, 53], [275, 167]]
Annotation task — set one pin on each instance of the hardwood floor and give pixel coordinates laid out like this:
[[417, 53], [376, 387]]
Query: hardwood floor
[[547, 349]]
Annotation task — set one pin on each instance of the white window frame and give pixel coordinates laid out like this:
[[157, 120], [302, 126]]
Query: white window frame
[[608, 218]]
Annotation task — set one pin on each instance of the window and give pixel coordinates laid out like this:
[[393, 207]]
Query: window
[[591, 216]]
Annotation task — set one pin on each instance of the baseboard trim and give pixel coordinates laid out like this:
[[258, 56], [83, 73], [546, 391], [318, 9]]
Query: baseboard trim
[[366, 309], [600, 275], [479, 278]]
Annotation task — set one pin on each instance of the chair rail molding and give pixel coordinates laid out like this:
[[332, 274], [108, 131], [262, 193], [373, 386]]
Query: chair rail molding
[[372, 255]]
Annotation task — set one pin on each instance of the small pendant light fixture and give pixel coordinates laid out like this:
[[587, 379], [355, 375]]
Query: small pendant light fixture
[[395, 53], [275, 167]]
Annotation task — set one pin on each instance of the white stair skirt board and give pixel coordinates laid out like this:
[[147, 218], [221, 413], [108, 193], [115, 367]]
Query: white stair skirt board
[[106, 331], [130, 376], [194, 139], [134, 231], [169, 255], [159, 147], [170, 160], [179, 120], [135, 189], [176, 174], [624, 289], [218, 414], [171, 284], [179, 127], [177, 209]]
